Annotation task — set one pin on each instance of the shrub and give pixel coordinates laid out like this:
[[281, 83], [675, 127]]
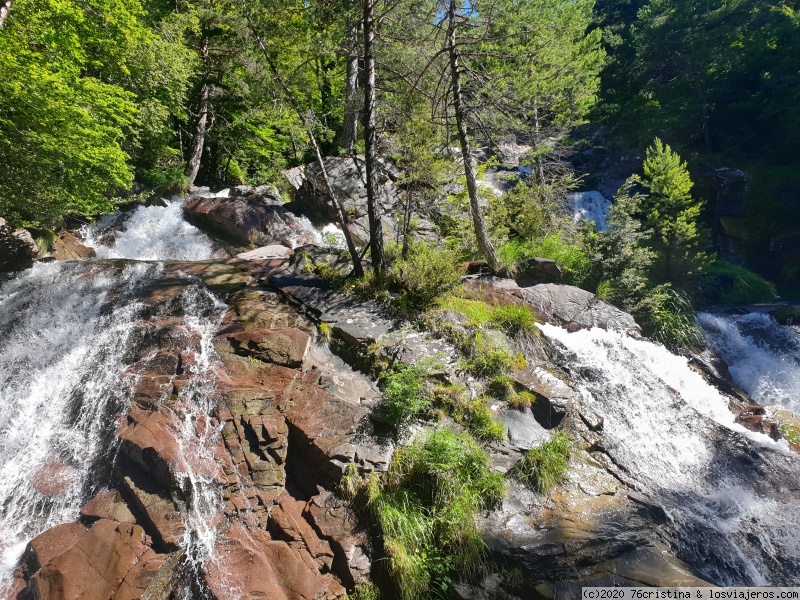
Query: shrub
[[426, 506], [427, 273], [573, 260], [404, 395], [666, 315], [543, 467]]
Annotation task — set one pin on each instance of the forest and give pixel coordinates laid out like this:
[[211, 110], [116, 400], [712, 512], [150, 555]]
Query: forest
[[99, 94], [106, 100]]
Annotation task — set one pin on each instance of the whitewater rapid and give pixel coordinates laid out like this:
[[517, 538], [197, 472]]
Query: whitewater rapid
[[763, 356], [148, 233], [729, 494]]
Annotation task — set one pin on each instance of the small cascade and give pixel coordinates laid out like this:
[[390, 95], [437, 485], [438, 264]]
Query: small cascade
[[148, 233], [763, 356], [592, 206], [726, 493], [64, 330]]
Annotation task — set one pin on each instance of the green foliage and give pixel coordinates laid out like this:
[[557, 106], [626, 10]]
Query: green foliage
[[620, 257], [474, 415], [670, 212], [745, 286], [61, 120], [478, 312], [665, 314], [511, 318], [572, 258], [426, 274], [515, 319], [325, 332], [404, 394], [504, 388], [426, 506], [487, 359], [365, 590], [545, 466]]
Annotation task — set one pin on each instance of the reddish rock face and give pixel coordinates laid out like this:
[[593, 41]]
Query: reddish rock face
[[283, 346], [249, 564], [74, 562], [270, 544]]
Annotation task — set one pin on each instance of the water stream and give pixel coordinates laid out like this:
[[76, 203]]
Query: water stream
[[70, 347], [763, 355], [730, 496]]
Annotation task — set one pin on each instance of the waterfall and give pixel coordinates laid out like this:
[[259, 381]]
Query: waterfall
[[150, 233], [729, 495], [71, 350], [64, 329], [592, 206], [763, 355]]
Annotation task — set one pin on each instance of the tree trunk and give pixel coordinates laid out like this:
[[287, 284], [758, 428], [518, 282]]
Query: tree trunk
[[371, 141], [350, 126], [199, 137], [5, 6], [484, 243], [358, 269]]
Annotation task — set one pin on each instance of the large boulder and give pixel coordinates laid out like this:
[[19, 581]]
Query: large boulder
[[563, 305], [347, 178], [17, 248], [250, 217]]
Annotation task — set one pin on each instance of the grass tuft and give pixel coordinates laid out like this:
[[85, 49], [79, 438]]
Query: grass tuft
[[543, 467]]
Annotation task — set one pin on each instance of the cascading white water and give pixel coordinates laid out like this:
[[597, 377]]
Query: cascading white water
[[727, 492], [763, 355], [151, 233], [592, 206], [66, 332], [64, 329]]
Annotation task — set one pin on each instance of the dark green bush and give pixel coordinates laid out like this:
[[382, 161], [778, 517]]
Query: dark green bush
[[427, 273], [666, 315]]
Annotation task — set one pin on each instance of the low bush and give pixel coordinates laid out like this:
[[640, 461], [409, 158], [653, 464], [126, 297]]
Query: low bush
[[404, 395], [426, 274], [543, 467], [426, 506]]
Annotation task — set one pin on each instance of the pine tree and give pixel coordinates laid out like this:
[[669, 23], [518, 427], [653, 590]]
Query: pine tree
[[671, 212]]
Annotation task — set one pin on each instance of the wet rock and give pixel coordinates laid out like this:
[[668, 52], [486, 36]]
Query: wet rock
[[67, 247], [283, 346], [17, 248], [574, 309], [524, 431]]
